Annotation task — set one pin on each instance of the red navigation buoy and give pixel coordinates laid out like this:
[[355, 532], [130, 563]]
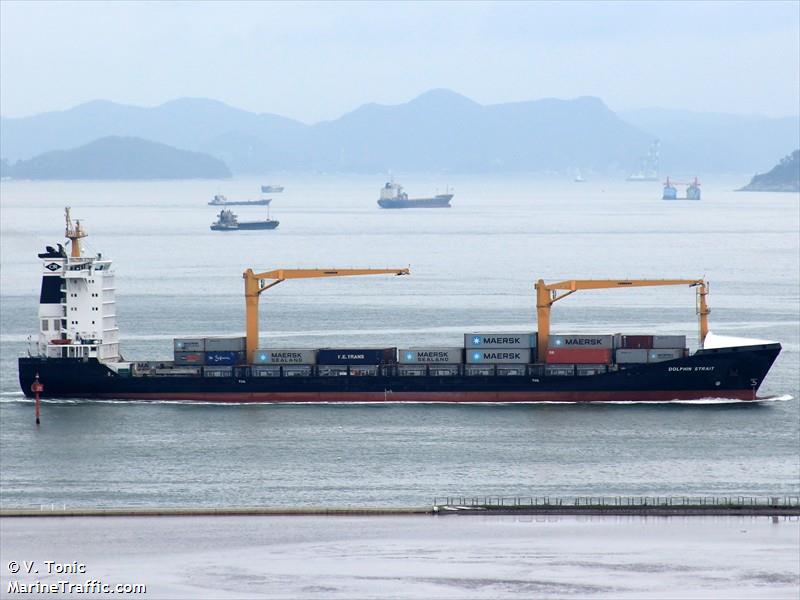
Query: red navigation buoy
[[37, 388]]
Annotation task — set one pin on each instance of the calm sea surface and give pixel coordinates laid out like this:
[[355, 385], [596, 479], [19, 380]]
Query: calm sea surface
[[473, 268]]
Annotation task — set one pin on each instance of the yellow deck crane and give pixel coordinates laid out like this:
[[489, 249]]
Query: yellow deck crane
[[255, 284], [547, 294], [74, 233]]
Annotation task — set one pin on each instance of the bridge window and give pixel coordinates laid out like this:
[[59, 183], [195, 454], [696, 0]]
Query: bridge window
[[45, 325]]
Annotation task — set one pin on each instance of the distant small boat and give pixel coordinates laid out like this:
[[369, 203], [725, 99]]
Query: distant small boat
[[220, 200], [271, 189], [393, 196], [579, 179], [228, 221]]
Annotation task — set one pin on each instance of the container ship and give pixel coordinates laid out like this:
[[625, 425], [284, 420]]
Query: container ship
[[393, 196], [78, 353], [220, 200]]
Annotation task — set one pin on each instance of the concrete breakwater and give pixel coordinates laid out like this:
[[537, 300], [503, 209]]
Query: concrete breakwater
[[574, 505]]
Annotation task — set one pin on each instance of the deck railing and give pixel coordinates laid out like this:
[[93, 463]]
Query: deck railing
[[618, 501]]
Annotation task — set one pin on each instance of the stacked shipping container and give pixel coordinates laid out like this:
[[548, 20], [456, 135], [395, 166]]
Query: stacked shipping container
[[580, 349], [482, 354], [641, 349], [498, 353], [210, 351]]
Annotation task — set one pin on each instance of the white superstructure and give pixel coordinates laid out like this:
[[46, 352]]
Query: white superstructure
[[393, 191], [77, 309]]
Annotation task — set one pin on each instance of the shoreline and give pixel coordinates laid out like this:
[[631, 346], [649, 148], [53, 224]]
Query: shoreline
[[436, 510]]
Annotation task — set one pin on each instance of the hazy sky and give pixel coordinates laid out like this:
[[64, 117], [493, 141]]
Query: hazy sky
[[315, 61]]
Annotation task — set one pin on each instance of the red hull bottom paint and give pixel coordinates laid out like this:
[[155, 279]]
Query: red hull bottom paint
[[444, 397]]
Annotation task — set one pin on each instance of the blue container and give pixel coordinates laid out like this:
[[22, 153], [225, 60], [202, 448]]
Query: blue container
[[356, 356], [224, 357]]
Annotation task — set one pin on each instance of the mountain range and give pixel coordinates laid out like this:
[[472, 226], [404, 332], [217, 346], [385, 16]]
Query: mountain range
[[115, 157], [437, 131]]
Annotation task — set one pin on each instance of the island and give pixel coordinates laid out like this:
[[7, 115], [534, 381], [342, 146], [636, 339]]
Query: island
[[119, 158], [784, 177]]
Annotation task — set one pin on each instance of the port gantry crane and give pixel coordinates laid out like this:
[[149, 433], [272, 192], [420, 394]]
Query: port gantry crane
[[255, 284], [547, 295]]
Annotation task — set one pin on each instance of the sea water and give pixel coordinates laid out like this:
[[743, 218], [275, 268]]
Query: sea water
[[473, 268]]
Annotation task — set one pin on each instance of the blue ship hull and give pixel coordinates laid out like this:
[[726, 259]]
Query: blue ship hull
[[727, 373]]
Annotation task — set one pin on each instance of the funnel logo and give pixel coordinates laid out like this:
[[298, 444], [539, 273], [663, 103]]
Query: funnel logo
[[53, 266]]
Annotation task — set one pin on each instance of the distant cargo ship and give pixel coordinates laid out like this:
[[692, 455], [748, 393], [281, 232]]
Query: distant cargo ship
[[393, 196], [271, 189], [77, 354], [671, 192], [228, 221], [220, 200]]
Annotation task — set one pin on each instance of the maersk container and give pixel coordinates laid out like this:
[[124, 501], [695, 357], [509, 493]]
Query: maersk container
[[581, 341], [189, 344], [409, 356], [669, 341], [499, 355], [500, 340], [356, 356], [224, 357], [190, 358], [663, 354], [580, 355], [285, 356], [225, 344], [636, 342], [627, 356]]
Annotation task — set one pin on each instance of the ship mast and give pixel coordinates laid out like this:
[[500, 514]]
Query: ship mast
[[74, 233]]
